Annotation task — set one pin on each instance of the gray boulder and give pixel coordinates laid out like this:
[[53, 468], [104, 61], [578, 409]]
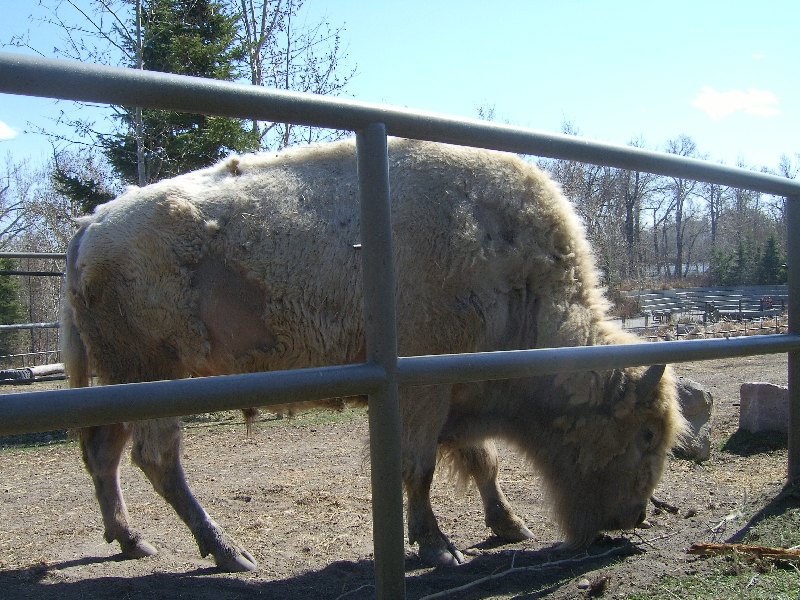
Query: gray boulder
[[697, 406], [763, 407]]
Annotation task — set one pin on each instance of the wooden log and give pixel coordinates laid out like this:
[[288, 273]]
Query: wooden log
[[44, 370], [713, 549]]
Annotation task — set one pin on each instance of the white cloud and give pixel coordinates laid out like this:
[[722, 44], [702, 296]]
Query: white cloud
[[721, 104], [758, 56], [6, 133]]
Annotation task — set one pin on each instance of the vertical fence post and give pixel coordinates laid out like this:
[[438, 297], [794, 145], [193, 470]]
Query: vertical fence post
[[381, 334], [793, 264]]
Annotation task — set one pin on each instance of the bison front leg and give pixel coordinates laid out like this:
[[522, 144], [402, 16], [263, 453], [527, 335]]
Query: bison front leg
[[102, 449], [424, 412], [481, 463], [156, 450], [434, 547]]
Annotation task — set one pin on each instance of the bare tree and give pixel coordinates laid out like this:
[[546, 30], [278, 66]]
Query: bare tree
[[485, 111], [100, 31], [286, 52], [659, 208], [748, 219], [716, 200], [44, 216], [610, 202], [789, 168], [635, 188], [94, 32], [42, 219], [683, 192], [12, 186], [281, 49]]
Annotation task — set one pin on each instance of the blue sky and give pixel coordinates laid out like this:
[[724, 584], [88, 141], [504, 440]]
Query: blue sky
[[723, 72]]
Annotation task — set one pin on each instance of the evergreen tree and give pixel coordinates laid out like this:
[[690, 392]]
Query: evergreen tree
[[738, 268], [87, 193], [187, 37], [11, 310], [771, 269], [721, 267], [746, 265]]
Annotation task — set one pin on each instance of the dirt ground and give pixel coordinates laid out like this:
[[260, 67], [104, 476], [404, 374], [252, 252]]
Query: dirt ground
[[297, 495]]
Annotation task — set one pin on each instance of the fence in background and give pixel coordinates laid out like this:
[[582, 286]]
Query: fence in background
[[708, 304], [383, 371], [43, 347]]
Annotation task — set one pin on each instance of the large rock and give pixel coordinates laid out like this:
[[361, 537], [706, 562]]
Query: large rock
[[763, 407], [697, 406]]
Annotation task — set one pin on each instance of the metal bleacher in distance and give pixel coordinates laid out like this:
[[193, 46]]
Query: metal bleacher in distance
[[712, 303]]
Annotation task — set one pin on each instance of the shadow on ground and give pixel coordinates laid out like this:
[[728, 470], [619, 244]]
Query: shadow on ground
[[533, 577], [786, 500], [745, 443]]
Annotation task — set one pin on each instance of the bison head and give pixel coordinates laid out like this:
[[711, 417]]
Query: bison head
[[608, 448]]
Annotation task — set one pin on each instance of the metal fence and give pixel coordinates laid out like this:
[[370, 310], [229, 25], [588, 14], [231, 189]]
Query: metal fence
[[50, 344], [383, 372]]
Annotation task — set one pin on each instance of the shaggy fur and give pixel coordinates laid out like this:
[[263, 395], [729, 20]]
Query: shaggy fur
[[254, 265]]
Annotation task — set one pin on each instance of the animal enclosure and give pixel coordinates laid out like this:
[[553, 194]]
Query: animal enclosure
[[383, 372]]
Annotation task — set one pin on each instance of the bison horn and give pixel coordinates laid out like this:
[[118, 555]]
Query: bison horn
[[647, 384]]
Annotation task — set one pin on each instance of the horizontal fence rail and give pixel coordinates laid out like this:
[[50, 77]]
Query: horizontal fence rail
[[28, 273], [101, 405], [42, 255], [28, 75], [52, 325], [61, 409], [33, 273], [453, 368], [71, 80]]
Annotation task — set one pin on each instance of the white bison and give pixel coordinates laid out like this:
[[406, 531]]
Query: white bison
[[254, 265]]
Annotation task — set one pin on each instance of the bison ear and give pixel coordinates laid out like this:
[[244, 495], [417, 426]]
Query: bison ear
[[647, 384]]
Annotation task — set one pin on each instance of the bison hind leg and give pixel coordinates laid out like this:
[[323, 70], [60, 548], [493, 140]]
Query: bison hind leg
[[480, 462], [156, 450], [102, 450]]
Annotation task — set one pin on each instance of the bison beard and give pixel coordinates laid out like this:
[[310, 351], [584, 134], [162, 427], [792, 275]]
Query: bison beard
[[253, 265]]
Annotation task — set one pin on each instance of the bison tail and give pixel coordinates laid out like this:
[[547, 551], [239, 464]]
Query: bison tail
[[73, 350]]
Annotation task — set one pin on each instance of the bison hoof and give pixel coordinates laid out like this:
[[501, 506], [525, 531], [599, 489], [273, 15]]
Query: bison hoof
[[515, 531], [228, 554], [237, 563], [441, 554], [137, 548]]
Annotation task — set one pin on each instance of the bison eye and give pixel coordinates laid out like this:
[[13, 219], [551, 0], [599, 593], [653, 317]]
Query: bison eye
[[647, 435]]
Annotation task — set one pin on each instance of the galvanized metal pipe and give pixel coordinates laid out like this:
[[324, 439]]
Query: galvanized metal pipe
[[51, 325], [42, 411], [453, 368], [42, 255], [33, 273], [793, 264], [54, 78], [100, 405], [381, 340]]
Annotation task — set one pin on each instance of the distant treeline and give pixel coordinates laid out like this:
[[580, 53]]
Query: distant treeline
[[649, 228]]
